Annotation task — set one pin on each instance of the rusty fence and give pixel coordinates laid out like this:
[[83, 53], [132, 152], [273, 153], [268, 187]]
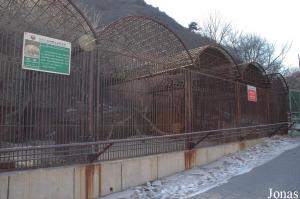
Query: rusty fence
[[49, 120], [120, 102]]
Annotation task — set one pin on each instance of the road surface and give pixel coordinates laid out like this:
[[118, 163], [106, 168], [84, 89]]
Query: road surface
[[280, 174]]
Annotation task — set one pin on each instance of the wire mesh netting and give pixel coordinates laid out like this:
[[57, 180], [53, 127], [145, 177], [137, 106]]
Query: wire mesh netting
[[60, 19], [136, 91]]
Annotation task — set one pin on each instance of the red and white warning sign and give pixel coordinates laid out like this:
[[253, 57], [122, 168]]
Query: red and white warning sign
[[252, 95]]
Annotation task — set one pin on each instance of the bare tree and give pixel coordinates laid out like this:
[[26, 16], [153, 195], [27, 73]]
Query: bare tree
[[289, 71], [253, 48], [215, 28], [93, 14], [292, 76], [244, 46], [293, 79]]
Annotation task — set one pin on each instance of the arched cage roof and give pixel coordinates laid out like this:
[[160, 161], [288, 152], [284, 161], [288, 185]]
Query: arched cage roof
[[215, 60], [135, 46], [278, 83], [253, 73], [60, 19], [254, 65]]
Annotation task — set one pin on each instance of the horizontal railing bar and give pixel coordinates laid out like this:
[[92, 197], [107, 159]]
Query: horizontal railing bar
[[26, 148]]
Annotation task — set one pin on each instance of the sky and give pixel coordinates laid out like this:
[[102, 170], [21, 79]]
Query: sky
[[278, 21]]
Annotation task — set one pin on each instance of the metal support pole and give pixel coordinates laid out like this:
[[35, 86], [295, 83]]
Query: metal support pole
[[91, 96], [188, 101], [238, 104]]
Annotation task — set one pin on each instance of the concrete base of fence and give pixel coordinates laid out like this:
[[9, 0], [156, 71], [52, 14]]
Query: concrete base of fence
[[99, 179]]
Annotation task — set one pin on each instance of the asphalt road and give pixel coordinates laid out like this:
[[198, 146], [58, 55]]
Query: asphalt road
[[280, 174]]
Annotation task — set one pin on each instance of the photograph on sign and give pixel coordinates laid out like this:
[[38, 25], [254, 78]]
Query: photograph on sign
[[46, 54], [251, 92]]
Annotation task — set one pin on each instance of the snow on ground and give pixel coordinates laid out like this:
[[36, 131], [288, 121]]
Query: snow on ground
[[200, 179]]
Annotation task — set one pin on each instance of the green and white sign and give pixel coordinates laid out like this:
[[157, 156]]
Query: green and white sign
[[46, 54]]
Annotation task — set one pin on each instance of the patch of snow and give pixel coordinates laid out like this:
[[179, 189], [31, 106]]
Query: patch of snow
[[297, 126], [156, 183], [200, 179]]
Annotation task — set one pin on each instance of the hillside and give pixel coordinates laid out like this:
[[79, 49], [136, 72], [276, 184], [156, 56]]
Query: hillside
[[111, 10]]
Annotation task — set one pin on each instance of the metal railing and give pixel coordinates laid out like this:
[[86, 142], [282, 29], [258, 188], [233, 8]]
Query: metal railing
[[65, 154]]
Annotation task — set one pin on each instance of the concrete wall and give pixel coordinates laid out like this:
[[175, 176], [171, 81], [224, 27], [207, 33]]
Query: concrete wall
[[111, 177], [99, 179], [146, 168], [38, 184], [3, 187], [170, 163]]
